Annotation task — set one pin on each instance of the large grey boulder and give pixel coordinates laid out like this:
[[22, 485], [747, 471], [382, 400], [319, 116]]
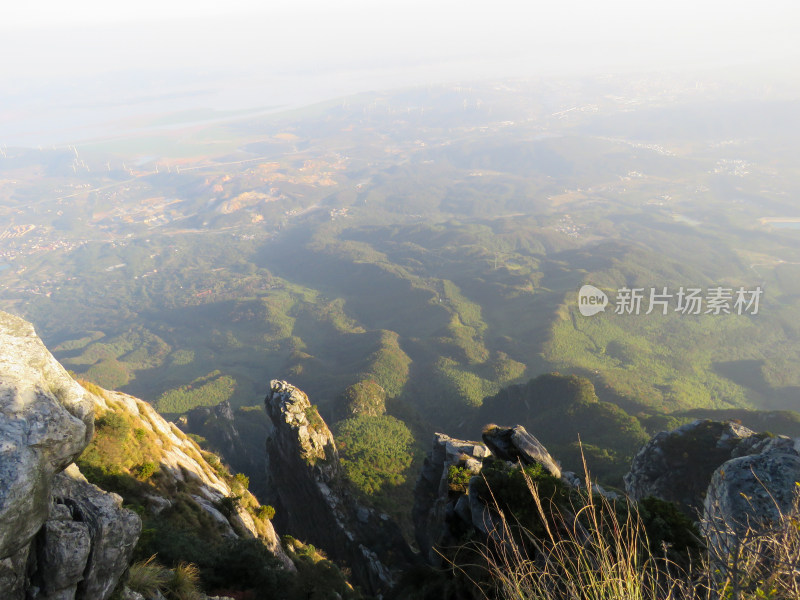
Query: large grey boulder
[[13, 579], [97, 520], [751, 492], [677, 465], [738, 484], [63, 553], [46, 420], [516, 444], [688, 463]]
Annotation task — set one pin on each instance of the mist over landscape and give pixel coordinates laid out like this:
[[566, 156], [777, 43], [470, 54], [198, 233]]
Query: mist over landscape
[[393, 208]]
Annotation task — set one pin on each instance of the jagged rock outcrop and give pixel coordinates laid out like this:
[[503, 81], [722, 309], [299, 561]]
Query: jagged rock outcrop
[[85, 522], [432, 499], [735, 482], [447, 504], [60, 537], [312, 500], [47, 420], [225, 436], [677, 465]]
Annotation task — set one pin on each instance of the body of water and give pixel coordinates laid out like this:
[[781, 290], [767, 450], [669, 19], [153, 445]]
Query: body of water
[[785, 224]]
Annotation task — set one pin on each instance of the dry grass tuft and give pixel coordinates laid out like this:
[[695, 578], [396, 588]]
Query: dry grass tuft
[[591, 553]]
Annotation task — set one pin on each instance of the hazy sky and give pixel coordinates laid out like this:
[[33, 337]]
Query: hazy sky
[[61, 54], [353, 30]]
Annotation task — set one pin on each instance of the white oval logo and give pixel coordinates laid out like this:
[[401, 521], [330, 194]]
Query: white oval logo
[[591, 300]]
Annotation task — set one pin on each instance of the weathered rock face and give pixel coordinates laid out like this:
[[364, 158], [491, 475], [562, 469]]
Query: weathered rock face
[[308, 435], [46, 420], [751, 491], [677, 465], [313, 502], [60, 537], [86, 544], [225, 435], [724, 475]]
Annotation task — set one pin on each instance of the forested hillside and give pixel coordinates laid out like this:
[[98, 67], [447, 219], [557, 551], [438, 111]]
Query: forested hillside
[[406, 257]]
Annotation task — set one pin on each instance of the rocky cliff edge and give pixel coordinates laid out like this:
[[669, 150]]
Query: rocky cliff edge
[[62, 538]]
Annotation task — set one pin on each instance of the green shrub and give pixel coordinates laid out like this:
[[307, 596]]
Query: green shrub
[[458, 478], [115, 422], [241, 482], [265, 512], [146, 470], [122, 454], [317, 577], [247, 565], [92, 388], [668, 528], [229, 505], [220, 469], [197, 439], [509, 488], [314, 420]]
